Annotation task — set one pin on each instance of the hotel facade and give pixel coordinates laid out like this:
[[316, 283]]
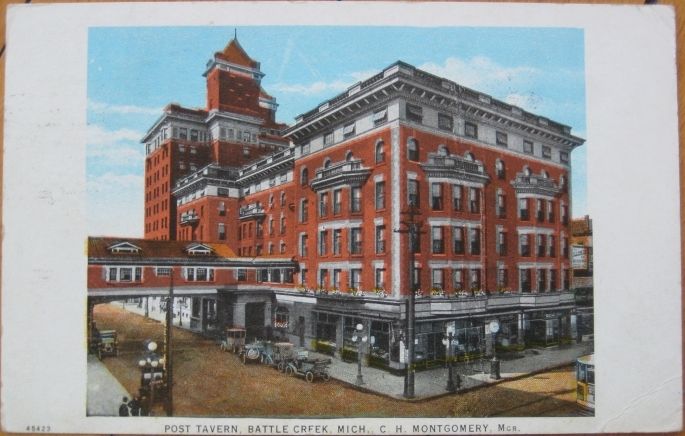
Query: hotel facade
[[299, 232]]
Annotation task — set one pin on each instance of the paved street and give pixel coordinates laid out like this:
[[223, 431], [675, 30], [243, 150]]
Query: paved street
[[209, 382], [104, 390]]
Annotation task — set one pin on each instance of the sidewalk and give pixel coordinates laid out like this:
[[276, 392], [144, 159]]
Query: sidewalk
[[431, 383], [104, 391]]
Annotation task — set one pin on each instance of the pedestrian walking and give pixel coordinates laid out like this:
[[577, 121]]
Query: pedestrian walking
[[134, 405], [123, 407], [144, 406]]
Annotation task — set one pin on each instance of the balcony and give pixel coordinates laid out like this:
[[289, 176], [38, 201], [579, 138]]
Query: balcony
[[189, 219], [454, 167], [535, 184], [251, 212], [342, 173]]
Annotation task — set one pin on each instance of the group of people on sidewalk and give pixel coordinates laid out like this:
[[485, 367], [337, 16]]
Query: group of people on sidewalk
[[138, 406]]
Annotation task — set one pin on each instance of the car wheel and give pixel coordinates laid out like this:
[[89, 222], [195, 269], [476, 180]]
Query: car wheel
[[289, 371], [325, 376], [281, 367], [309, 376]]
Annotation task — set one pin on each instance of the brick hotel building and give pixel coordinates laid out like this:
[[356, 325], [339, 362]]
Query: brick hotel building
[[293, 231]]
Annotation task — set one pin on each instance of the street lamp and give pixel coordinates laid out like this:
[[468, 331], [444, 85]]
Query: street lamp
[[358, 339], [447, 341], [494, 363], [150, 376]]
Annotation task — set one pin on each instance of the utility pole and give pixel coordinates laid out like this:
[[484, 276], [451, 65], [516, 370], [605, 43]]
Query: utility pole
[[167, 346], [413, 233]]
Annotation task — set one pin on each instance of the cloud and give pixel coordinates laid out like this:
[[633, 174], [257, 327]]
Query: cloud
[[323, 87], [100, 107], [481, 72], [114, 147]]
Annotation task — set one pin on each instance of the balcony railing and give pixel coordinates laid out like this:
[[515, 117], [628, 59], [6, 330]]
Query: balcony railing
[[341, 173], [535, 184], [189, 219], [250, 212], [455, 167]]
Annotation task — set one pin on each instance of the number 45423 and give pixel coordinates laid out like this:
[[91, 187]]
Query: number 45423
[[38, 428]]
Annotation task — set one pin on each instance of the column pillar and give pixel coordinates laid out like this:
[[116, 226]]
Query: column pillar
[[522, 329], [339, 337]]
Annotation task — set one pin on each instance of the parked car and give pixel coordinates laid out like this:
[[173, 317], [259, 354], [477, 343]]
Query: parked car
[[107, 343], [235, 340]]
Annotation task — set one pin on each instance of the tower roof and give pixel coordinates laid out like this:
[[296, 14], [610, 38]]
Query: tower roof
[[235, 54]]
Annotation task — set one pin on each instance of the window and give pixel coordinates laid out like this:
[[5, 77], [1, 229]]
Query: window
[[501, 205], [126, 274], [499, 169], [546, 151], [304, 177], [471, 130], [337, 201], [380, 239], [303, 245], [567, 280], [380, 116], [436, 196], [528, 147], [356, 200], [474, 200], [550, 211], [542, 280], [282, 198], [282, 225], [348, 130], [502, 243], [242, 274], [328, 138], [414, 113], [163, 271], [540, 210], [183, 133], [356, 240], [380, 152], [323, 278], [199, 274], [336, 279], [323, 204], [413, 193], [413, 150], [501, 138], [303, 276], [475, 279], [553, 280], [304, 213], [562, 184], [271, 226], [456, 197], [323, 237], [563, 156], [502, 278], [380, 278], [304, 149], [524, 277], [438, 243], [222, 231], [564, 214], [540, 239], [458, 239], [445, 122], [222, 208], [415, 242], [523, 209], [552, 246], [355, 278], [474, 240], [442, 150], [524, 247], [380, 195], [437, 279], [337, 241], [458, 279], [271, 248], [564, 247]]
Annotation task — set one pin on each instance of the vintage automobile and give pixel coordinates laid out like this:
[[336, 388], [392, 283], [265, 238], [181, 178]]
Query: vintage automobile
[[278, 354], [235, 340], [254, 352], [107, 343], [309, 368]]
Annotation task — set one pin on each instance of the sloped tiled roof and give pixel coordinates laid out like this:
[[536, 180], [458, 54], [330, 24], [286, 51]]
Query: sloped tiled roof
[[235, 54], [99, 248]]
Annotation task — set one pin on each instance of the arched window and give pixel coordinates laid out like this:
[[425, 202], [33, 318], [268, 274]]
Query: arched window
[[499, 169], [326, 163], [413, 150], [469, 156], [442, 150], [348, 156], [544, 174], [562, 183], [526, 171], [380, 151], [304, 176]]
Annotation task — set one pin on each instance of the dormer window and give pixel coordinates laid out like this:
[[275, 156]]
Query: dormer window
[[380, 116], [124, 247], [199, 250], [348, 130]]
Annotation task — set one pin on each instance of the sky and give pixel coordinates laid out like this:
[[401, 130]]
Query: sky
[[134, 72]]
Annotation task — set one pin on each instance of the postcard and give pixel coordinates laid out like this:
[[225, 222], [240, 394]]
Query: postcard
[[340, 218]]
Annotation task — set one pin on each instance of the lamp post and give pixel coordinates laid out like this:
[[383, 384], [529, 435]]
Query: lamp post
[[494, 363], [148, 364], [167, 346], [358, 339], [447, 341]]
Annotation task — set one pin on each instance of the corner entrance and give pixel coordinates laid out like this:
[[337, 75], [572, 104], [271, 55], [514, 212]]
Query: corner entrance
[[254, 321]]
